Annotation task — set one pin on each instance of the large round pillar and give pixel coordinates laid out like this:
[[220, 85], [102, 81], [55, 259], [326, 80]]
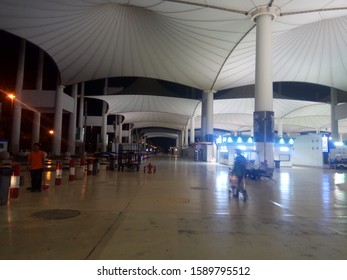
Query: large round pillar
[[81, 118], [203, 116], [39, 77], [130, 134], [37, 115], [263, 121], [35, 138], [334, 121], [186, 136], [280, 127], [120, 129], [192, 130], [58, 119], [104, 121], [207, 116], [72, 122], [17, 107]]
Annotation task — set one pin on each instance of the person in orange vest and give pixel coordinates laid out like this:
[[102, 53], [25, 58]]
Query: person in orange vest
[[36, 160]]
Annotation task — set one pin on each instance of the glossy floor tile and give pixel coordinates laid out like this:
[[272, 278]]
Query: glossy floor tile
[[183, 211]]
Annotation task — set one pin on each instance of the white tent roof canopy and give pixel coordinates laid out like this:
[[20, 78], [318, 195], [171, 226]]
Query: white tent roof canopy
[[204, 44], [199, 43], [229, 114]]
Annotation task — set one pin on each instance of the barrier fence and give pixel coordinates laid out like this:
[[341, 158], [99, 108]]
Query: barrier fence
[[77, 169]]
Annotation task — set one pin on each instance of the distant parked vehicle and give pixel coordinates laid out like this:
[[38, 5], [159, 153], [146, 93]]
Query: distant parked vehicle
[[23, 153], [105, 155], [341, 164]]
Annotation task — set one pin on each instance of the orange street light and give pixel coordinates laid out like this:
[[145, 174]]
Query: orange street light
[[51, 132], [11, 96]]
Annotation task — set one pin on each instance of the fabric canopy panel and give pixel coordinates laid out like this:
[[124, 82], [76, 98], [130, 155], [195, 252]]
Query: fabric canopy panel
[[229, 114], [204, 44], [147, 110], [208, 45]]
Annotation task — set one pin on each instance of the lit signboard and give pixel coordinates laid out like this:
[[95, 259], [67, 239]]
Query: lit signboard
[[325, 140]]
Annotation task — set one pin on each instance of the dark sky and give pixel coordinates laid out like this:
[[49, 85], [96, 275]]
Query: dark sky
[[163, 143]]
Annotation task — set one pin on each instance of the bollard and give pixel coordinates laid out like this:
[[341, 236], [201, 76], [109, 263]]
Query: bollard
[[58, 174], [90, 167], [83, 163], [15, 181], [45, 186], [81, 170], [5, 183], [72, 170], [149, 166]]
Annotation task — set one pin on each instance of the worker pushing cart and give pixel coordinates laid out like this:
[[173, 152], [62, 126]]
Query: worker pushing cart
[[237, 176]]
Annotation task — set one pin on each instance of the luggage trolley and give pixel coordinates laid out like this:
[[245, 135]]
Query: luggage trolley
[[233, 189], [233, 184], [129, 156]]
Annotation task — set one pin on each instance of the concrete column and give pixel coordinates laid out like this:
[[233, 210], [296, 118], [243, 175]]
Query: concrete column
[[130, 136], [36, 127], [72, 122], [58, 118], [104, 121], [182, 138], [17, 107], [37, 115], [186, 133], [207, 116], [81, 118], [280, 127], [115, 140], [39, 77], [264, 115], [192, 130], [263, 71], [203, 116], [120, 130], [334, 121]]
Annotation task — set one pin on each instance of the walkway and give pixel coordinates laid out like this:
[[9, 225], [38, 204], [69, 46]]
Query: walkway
[[183, 211]]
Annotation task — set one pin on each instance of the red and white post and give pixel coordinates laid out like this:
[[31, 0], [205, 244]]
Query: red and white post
[[72, 170], [15, 181], [83, 163], [58, 174], [90, 167]]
